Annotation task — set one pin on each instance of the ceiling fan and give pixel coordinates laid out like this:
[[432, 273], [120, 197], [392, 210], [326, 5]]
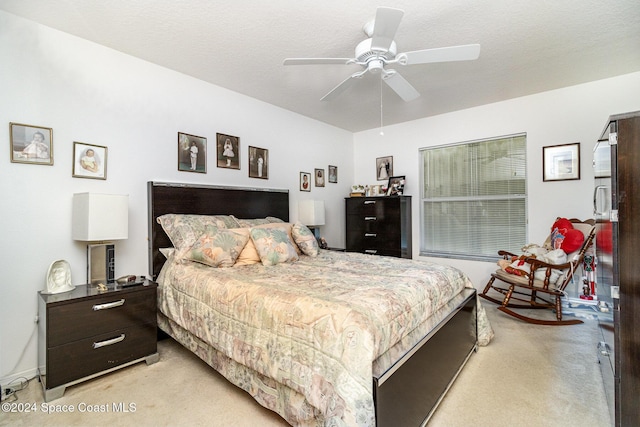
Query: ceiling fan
[[379, 50]]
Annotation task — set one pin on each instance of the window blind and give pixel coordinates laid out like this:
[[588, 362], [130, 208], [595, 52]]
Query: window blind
[[473, 198]]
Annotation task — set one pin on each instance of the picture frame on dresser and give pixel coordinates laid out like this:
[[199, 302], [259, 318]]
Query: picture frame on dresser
[[89, 161], [396, 185], [31, 144]]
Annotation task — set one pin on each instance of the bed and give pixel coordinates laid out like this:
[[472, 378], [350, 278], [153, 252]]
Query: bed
[[327, 338]]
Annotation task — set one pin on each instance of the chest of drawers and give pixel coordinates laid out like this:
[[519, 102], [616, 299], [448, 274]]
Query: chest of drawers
[[87, 332], [379, 225]]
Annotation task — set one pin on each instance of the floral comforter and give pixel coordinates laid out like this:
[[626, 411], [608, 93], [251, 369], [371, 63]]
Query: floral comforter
[[301, 337]]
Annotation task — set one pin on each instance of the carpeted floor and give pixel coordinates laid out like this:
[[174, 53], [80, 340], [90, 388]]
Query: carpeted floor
[[529, 375]]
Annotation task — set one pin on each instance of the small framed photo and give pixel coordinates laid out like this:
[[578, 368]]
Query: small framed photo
[[192, 153], [396, 186], [333, 174], [305, 181], [318, 175], [228, 151], [561, 162], [258, 163], [31, 144], [384, 168], [89, 161]]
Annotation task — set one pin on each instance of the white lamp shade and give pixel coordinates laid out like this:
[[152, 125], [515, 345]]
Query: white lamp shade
[[100, 217], [311, 212]]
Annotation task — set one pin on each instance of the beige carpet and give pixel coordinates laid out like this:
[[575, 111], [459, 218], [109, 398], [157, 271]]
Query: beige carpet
[[528, 376]]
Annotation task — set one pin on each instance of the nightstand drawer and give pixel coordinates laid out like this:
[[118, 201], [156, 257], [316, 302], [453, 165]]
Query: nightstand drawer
[[101, 352], [116, 310]]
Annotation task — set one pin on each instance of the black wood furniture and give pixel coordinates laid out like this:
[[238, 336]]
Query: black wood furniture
[[88, 332], [617, 243], [379, 225], [173, 198], [409, 380]]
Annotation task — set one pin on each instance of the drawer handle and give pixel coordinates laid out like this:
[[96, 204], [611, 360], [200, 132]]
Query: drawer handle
[[370, 234], [108, 305], [369, 218], [369, 202], [370, 251], [108, 342]]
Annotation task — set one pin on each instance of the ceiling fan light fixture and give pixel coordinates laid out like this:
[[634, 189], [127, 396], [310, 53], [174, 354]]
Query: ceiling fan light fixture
[[376, 66]]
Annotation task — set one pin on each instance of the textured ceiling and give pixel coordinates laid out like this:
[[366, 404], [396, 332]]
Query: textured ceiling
[[526, 47]]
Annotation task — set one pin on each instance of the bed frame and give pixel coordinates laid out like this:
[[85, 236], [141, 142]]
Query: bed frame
[[412, 378]]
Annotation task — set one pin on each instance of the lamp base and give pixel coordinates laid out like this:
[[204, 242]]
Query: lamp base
[[100, 263]]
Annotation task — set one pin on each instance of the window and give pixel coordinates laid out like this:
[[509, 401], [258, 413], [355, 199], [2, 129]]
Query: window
[[474, 198]]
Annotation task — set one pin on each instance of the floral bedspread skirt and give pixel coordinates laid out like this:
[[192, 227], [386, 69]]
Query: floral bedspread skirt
[[301, 337]]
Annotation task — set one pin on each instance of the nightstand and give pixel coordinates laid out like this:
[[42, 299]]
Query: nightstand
[[88, 332]]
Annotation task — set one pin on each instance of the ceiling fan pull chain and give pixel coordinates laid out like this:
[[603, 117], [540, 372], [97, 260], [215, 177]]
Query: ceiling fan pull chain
[[381, 131]]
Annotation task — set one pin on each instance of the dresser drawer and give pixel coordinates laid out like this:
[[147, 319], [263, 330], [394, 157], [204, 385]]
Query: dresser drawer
[[74, 321], [370, 207], [85, 357]]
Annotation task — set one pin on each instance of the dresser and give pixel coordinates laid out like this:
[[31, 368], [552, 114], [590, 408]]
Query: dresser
[[379, 225], [88, 332]]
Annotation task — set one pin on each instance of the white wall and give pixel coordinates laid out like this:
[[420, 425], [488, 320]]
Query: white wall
[[568, 115], [95, 95]]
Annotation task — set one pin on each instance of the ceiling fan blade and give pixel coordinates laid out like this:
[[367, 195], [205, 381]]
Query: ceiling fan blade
[[401, 86], [442, 54], [341, 87], [385, 27], [316, 61]]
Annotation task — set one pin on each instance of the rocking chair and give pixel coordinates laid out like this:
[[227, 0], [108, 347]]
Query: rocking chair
[[534, 292]]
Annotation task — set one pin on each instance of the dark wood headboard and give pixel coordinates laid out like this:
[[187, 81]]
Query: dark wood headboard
[[166, 197]]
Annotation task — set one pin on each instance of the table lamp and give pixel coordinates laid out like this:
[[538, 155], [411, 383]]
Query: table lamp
[[99, 219], [311, 214]]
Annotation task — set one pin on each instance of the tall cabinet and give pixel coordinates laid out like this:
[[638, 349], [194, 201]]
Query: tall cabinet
[[379, 225], [616, 205]]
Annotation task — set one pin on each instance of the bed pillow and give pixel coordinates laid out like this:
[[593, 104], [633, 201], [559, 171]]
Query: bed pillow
[[304, 238], [249, 254], [184, 229], [257, 221], [273, 243], [218, 247]]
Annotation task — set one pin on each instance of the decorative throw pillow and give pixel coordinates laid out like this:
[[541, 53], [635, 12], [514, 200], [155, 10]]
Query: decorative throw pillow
[[218, 247], [184, 229], [273, 244], [304, 238]]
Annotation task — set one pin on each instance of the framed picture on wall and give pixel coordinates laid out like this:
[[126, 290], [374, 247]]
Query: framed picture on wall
[[228, 148], [561, 162], [333, 174], [318, 175], [305, 181], [258, 163], [31, 144], [89, 161], [192, 153], [384, 168]]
